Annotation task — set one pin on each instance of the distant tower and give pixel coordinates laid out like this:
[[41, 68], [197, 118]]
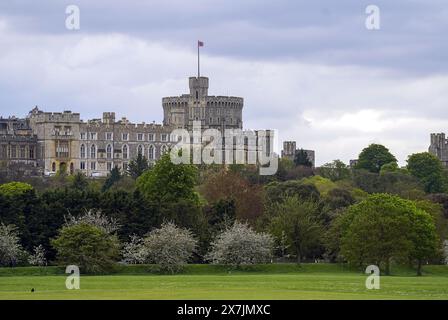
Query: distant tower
[[439, 147]]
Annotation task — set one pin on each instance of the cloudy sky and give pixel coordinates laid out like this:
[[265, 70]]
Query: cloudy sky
[[310, 69]]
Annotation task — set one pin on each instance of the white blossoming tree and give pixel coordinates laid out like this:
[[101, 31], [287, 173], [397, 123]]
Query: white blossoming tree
[[94, 218], [10, 248], [134, 251], [170, 247], [37, 258], [241, 245]]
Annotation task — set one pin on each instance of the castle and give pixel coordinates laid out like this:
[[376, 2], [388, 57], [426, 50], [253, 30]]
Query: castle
[[439, 147], [48, 142]]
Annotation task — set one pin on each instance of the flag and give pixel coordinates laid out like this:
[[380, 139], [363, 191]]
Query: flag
[[200, 43]]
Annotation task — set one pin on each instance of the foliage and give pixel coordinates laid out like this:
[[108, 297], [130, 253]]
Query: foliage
[[167, 182], [373, 157], [301, 159], [94, 218], [113, 177], [322, 184], [87, 246], [79, 181], [170, 247], [134, 252], [137, 166], [10, 249], [335, 171], [299, 221], [278, 191], [240, 245], [428, 169], [13, 189], [37, 258]]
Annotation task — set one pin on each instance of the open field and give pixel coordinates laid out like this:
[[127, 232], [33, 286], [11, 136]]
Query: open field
[[208, 282]]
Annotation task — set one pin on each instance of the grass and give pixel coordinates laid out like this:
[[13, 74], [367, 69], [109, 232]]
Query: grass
[[286, 281]]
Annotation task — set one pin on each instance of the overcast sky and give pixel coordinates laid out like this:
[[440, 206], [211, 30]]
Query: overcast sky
[[310, 69]]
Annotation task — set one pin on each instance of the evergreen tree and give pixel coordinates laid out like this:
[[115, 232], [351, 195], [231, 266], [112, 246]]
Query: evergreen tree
[[301, 159], [137, 166], [113, 177]]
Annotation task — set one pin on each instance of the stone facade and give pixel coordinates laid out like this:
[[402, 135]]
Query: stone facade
[[290, 150], [62, 141], [18, 147], [439, 147]]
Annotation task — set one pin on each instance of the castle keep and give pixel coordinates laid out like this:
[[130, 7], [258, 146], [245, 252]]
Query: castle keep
[[47, 142], [439, 147]]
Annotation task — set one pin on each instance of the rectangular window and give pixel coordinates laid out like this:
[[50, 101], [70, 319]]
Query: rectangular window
[[4, 152], [151, 137], [83, 135], [92, 165], [93, 135], [125, 136], [164, 137], [109, 136], [82, 165], [109, 166], [31, 155], [62, 149], [22, 152], [140, 136], [13, 152]]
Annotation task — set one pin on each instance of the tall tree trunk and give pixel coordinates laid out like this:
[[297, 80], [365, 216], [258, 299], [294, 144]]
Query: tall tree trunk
[[419, 267]]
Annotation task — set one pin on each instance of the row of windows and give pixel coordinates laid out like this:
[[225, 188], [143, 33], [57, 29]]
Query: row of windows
[[92, 165], [124, 136], [124, 150], [15, 152]]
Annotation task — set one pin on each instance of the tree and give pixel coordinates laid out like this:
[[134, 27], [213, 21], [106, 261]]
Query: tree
[[137, 166], [374, 157], [299, 221], [170, 247], [278, 191], [240, 245], [168, 182], [113, 177], [87, 246], [10, 249], [79, 181], [428, 169], [94, 218], [301, 159], [335, 171], [384, 227], [134, 251], [37, 258]]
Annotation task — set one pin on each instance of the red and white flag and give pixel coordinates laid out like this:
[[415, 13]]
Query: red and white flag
[[200, 43]]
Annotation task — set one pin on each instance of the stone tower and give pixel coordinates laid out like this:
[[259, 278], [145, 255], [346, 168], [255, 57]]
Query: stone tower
[[439, 147], [218, 112]]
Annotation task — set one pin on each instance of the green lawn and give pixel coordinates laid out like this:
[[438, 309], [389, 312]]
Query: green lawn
[[208, 282]]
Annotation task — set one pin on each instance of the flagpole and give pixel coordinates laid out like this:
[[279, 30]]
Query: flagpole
[[198, 63]]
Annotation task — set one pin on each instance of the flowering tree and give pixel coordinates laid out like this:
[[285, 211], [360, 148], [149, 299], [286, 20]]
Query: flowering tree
[[37, 258], [10, 248], [134, 251], [94, 218], [170, 247], [240, 245]]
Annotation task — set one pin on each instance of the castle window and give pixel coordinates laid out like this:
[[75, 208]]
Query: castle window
[[93, 151], [53, 167], [151, 152], [125, 166], [13, 152], [140, 150], [151, 137], [4, 154], [31, 155], [140, 136], [125, 152], [109, 136], [197, 95], [125, 136], [82, 165], [109, 166], [109, 151], [93, 135], [93, 165], [83, 151], [83, 135], [22, 152], [164, 136]]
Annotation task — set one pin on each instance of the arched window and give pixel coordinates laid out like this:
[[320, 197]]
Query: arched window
[[151, 152], [83, 151], [125, 151], [140, 150], [109, 151], [93, 151], [53, 167]]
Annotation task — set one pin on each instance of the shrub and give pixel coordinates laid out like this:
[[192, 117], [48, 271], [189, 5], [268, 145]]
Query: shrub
[[87, 246], [170, 247], [240, 245], [10, 249]]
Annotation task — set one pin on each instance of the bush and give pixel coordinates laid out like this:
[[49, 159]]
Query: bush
[[89, 247], [240, 245], [170, 247], [11, 251], [134, 251]]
